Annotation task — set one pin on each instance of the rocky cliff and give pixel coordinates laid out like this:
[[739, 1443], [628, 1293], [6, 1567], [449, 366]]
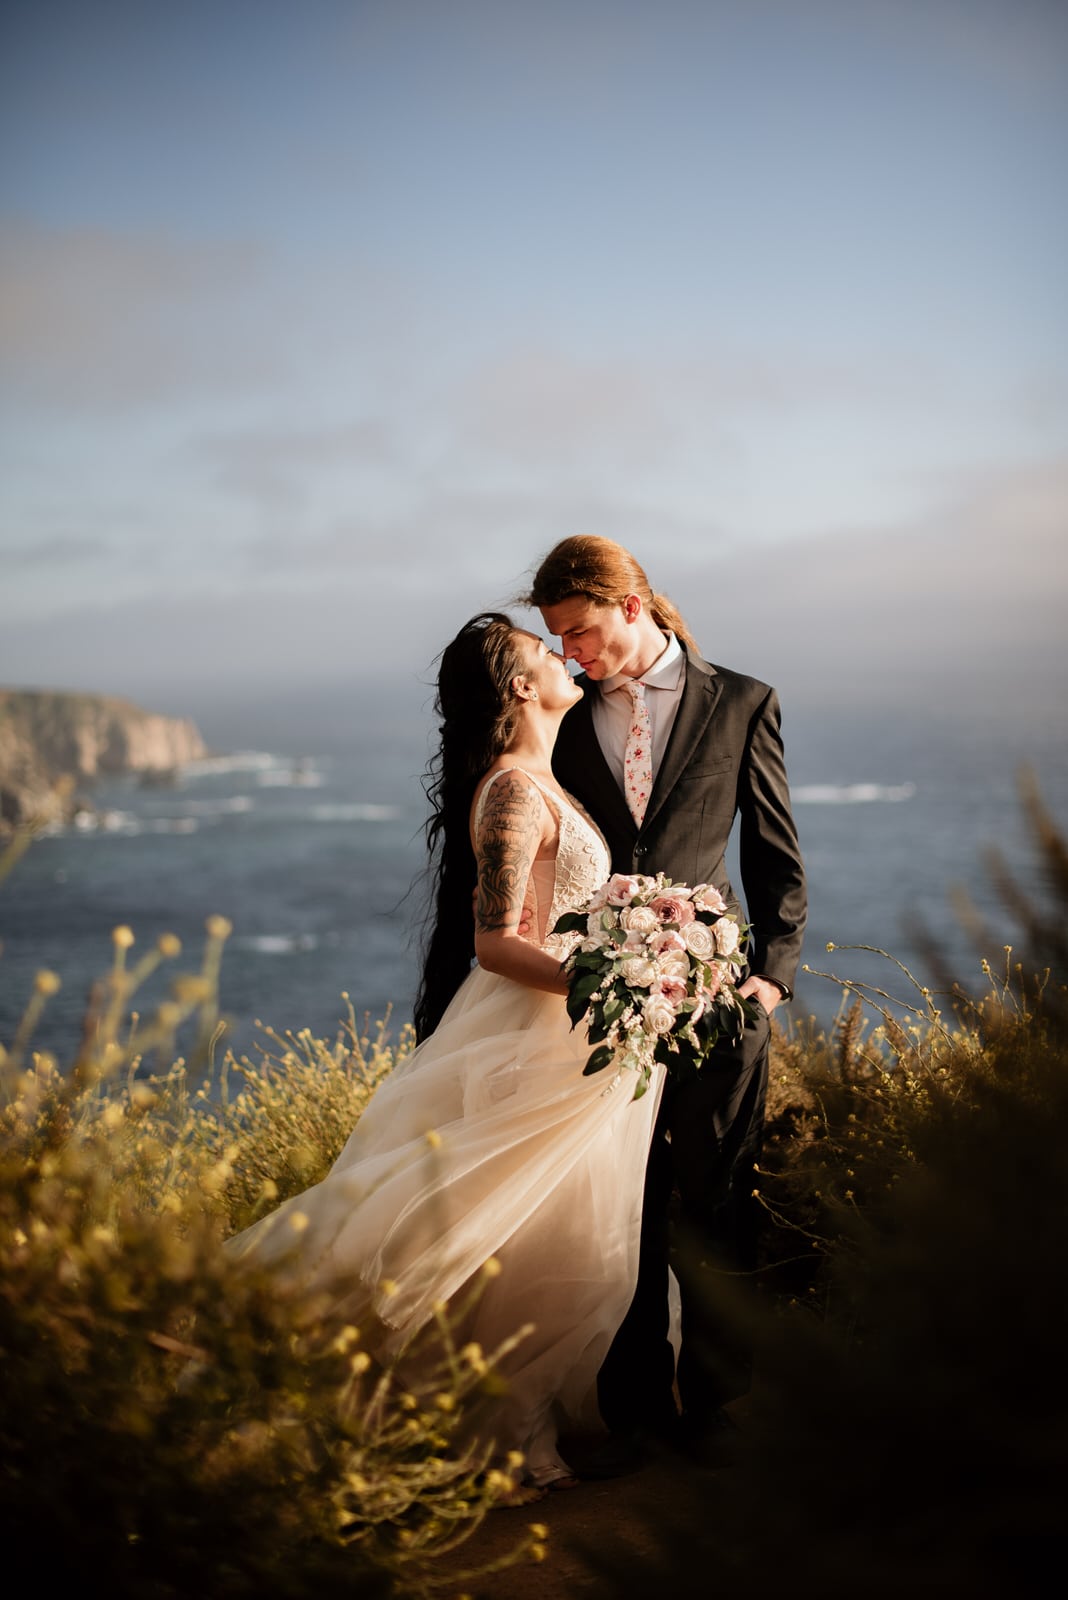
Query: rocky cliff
[[49, 738]]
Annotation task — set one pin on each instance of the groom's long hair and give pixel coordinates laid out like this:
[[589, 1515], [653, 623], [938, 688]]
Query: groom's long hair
[[603, 572], [478, 712]]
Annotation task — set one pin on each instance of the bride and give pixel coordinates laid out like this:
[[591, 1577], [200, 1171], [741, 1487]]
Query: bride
[[488, 1141]]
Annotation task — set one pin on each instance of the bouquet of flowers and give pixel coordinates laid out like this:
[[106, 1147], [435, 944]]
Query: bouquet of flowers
[[656, 960]]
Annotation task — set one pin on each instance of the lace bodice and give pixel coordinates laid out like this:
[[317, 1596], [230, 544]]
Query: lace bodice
[[582, 861]]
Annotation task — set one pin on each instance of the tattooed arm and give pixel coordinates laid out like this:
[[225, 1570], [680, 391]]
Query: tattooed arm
[[515, 823]]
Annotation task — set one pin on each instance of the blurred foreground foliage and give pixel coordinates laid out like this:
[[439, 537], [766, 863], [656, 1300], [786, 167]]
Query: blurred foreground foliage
[[167, 1424], [908, 1427]]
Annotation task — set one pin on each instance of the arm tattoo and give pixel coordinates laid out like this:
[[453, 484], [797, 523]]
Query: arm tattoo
[[507, 842]]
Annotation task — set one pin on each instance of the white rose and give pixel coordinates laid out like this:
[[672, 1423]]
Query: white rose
[[673, 964], [700, 940], [638, 972], [639, 919], [726, 931], [658, 1014]]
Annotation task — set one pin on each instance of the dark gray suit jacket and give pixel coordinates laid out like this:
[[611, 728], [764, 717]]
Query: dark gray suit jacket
[[724, 759]]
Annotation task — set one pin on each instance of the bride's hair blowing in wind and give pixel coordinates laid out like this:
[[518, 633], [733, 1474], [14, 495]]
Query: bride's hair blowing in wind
[[478, 711]]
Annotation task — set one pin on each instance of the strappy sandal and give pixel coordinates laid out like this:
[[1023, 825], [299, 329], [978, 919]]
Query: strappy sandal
[[524, 1494]]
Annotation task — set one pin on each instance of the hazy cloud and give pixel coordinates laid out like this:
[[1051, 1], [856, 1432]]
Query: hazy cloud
[[95, 317]]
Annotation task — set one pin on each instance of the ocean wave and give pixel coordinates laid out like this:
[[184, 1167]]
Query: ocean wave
[[124, 822], [277, 944], [290, 778], [850, 794], [225, 805], [353, 812], [240, 761]]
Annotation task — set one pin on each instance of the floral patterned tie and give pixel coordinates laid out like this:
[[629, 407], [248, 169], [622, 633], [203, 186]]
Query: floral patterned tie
[[638, 755]]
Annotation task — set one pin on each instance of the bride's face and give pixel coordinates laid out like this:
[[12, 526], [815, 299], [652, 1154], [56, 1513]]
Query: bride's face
[[546, 671]]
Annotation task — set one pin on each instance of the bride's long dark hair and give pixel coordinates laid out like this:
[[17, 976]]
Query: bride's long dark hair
[[478, 711]]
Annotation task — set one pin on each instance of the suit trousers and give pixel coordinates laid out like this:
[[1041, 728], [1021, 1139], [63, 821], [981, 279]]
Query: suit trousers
[[700, 1217]]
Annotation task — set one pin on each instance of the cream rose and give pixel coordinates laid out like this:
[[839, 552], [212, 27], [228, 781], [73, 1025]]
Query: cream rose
[[638, 972], [668, 939], [640, 919], [726, 931], [673, 964], [699, 940], [708, 898], [658, 1014]]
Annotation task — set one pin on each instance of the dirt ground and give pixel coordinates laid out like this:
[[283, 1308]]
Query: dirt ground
[[624, 1511]]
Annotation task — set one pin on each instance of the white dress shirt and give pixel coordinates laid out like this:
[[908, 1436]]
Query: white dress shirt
[[612, 710]]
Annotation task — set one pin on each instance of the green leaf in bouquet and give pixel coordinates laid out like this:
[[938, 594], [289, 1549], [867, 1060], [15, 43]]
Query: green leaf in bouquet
[[577, 1008], [599, 1059], [584, 986], [598, 1029], [613, 1006], [570, 922]]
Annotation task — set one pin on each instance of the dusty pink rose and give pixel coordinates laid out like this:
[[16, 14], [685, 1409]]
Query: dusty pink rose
[[621, 889], [708, 898], [667, 939], [670, 908]]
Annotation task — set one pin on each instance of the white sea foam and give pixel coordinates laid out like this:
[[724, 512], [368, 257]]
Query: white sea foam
[[353, 812], [850, 794], [240, 761], [126, 823], [224, 805], [290, 778], [278, 944]]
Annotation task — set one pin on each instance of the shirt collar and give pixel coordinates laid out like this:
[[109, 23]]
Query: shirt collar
[[664, 673]]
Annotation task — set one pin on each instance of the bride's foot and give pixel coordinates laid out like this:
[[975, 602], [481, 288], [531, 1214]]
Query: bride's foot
[[524, 1494]]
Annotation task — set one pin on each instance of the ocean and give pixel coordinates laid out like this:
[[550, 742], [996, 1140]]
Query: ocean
[[312, 854]]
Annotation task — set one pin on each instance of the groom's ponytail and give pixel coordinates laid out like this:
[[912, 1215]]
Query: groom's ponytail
[[667, 616], [603, 572]]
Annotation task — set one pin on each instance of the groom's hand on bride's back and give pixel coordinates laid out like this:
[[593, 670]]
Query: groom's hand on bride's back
[[526, 916]]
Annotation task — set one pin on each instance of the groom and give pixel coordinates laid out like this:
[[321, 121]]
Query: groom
[[665, 751]]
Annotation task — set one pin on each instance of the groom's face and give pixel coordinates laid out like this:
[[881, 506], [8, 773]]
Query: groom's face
[[602, 639]]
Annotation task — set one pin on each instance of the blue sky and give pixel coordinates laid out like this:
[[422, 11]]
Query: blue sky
[[320, 322]]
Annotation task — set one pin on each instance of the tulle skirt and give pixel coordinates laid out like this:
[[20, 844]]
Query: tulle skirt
[[486, 1142]]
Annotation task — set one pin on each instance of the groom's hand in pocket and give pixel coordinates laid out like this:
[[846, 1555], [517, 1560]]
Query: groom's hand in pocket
[[763, 989]]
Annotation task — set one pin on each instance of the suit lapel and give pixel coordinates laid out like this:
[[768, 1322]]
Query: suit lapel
[[700, 696]]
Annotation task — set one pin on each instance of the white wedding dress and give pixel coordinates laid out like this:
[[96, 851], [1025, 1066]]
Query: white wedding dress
[[532, 1164]]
